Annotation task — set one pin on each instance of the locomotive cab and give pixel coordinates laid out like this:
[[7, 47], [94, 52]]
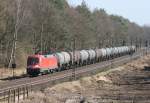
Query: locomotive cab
[[32, 65], [32, 61], [41, 64]]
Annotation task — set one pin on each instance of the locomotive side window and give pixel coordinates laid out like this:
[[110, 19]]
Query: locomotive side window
[[32, 61]]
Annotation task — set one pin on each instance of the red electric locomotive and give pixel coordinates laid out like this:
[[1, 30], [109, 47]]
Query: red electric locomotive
[[41, 64]]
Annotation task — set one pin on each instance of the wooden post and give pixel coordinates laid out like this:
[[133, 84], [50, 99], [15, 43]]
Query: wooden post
[[4, 97], [31, 88], [23, 92], [74, 68], [9, 96], [14, 96], [34, 42], [42, 38], [18, 94], [27, 91]]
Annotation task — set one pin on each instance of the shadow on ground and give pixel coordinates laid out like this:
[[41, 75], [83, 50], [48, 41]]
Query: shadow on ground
[[146, 68], [14, 77]]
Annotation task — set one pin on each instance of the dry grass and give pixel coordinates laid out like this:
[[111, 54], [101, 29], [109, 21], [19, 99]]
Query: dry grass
[[8, 72], [140, 63], [21, 58], [92, 89]]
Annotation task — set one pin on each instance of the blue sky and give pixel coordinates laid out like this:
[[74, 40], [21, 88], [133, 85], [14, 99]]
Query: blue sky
[[135, 10]]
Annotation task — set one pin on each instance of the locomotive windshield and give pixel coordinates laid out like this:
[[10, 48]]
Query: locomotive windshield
[[32, 61]]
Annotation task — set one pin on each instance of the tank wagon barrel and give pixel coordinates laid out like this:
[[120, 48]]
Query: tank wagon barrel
[[64, 59], [84, 57], [98, 54], [75, 58], [92, 55]]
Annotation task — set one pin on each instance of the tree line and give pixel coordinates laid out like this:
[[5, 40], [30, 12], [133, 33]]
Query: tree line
[[33, 26]]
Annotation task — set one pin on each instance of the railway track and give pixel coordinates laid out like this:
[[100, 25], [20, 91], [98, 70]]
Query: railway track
[[43, 81]]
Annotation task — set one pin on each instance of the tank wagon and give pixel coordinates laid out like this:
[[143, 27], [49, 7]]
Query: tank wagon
[[84, 57], [64, 59], [75, 58], [43, 64], [98, 55], [92, 56]]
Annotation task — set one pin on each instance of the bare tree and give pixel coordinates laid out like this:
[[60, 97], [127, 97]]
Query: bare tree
[[19, 19]]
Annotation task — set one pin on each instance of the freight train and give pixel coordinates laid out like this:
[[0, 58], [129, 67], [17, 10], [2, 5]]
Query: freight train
[[44, 64]]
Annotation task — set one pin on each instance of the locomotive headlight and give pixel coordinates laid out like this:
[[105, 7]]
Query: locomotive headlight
[[36, 66]]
